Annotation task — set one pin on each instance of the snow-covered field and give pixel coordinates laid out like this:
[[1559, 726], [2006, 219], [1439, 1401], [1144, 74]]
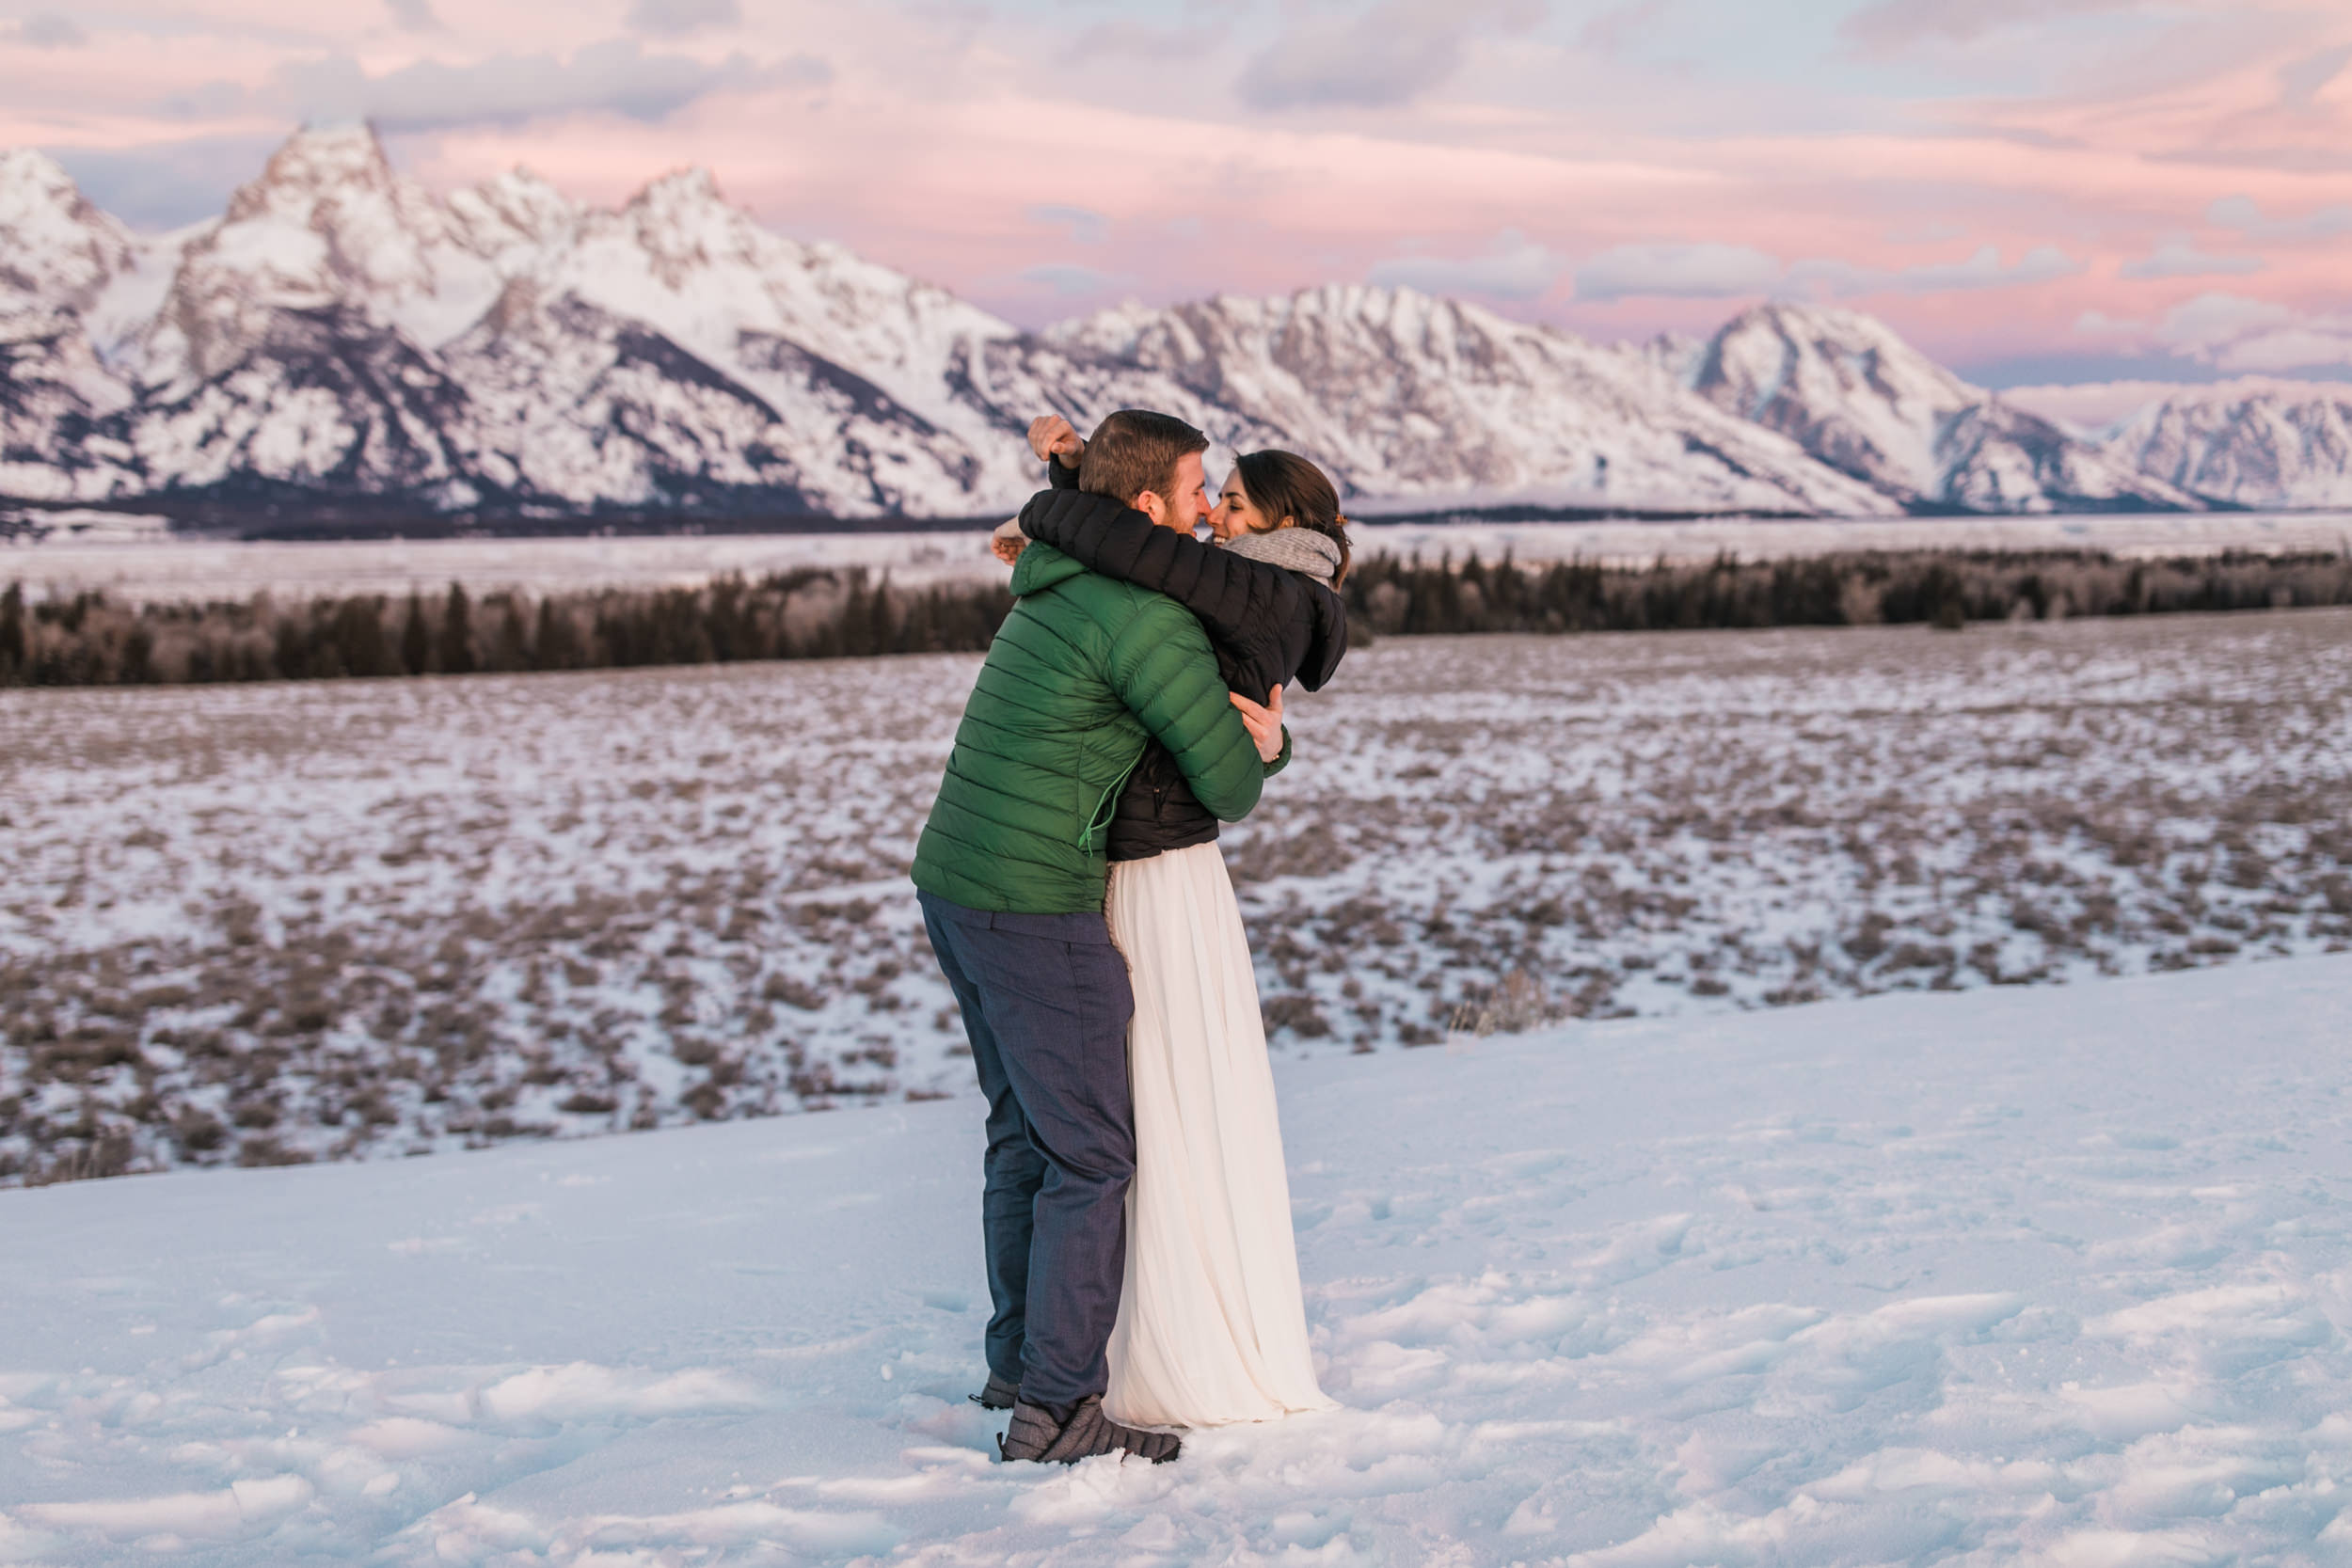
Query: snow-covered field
[[138, 569], [2042, 1276], [373, 918]]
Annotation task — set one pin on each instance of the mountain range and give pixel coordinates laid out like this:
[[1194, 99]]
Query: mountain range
[[341, 338]]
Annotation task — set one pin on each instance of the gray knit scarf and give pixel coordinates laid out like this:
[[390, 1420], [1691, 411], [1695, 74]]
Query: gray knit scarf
[[1297, 550]]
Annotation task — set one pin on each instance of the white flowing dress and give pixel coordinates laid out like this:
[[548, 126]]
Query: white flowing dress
[[1210, 1326]]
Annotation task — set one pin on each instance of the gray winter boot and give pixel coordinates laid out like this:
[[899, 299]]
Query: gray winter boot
[[1050, 1437], [998, 1395]]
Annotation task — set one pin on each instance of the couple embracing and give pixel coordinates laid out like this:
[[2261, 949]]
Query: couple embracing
[[1136, 1208]]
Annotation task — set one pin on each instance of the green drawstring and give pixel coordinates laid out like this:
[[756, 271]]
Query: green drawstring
[[1106, 807]]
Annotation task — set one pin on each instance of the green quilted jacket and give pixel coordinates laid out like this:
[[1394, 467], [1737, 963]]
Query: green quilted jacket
[[1082, 673]]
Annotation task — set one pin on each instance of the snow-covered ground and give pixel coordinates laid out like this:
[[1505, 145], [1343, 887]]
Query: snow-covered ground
[[140, 569], [2035, 1276], [326, 920]]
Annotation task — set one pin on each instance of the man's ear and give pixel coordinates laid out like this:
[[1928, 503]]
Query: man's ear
[[1151, 504]]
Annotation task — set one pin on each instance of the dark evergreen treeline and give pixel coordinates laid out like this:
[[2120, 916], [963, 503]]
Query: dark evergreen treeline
[[88, 639], [1945, 588]]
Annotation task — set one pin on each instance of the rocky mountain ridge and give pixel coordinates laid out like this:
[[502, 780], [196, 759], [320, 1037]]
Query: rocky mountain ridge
[[2278, 445], [1853, 394], [342, 335]]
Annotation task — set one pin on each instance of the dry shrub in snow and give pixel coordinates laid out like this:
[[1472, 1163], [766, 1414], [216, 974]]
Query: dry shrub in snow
[[254, 924]]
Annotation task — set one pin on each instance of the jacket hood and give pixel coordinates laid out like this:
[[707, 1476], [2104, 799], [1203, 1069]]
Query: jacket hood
[[1041, 567], [1327, 645]]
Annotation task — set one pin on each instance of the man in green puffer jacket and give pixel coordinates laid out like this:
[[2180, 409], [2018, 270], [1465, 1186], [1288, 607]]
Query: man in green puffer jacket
[[1011, 876]]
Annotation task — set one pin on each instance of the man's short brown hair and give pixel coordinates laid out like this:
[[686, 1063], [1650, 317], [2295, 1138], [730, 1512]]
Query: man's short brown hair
[[1135, 450]]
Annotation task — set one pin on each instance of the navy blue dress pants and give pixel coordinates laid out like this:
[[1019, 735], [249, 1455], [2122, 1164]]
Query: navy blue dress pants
[[1046, 1003]]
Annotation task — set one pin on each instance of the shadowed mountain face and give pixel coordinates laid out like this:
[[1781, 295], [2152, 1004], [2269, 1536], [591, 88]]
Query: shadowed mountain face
[[343, 334]]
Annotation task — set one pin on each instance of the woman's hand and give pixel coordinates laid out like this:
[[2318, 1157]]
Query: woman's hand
[[1053, 436], [1265, 724]]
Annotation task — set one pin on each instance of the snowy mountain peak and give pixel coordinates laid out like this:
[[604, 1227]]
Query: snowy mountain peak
[[680, 190], [1402, 395], [1849, 390], [328, 225], [1327, 328], [35, 187], [56, 250], [332, 179], [511, 210], [682, 223], [1809, 351], [2253, 443]]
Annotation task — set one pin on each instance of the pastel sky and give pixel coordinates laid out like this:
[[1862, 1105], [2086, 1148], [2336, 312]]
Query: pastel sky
[[2033, 190]]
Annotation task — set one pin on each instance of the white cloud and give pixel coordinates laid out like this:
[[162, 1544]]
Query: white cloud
[[2099, 323], [1062, 278], [2233, 332], [671, 19], [2236, 333], [1894, 24], [1514, 267], [2300, 81], [2211, 322], [2291, 348], [1390, 55], [2175, 257], [414, 16], [2244, 215], [1982, 270], [615, 77], [1677, 271], [48, 30], [1083, 225], [1723, 271], [1621, 28]]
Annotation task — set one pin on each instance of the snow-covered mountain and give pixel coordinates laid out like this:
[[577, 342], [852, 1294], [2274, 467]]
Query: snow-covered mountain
[[343, 334], [1854, 394], [2255, 444], [59, 257], [1410, 399]]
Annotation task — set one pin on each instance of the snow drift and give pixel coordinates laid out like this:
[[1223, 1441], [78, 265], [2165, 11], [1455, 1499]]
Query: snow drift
[[2040, 1276]]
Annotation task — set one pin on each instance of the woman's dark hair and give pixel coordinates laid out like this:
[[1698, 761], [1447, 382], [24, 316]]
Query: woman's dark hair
[[1284, 485]]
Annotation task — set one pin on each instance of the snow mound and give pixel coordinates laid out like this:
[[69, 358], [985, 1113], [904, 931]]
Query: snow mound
[[2006, 1277]]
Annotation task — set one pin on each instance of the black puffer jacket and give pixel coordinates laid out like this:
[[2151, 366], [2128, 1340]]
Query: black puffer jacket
[[1269, 628]]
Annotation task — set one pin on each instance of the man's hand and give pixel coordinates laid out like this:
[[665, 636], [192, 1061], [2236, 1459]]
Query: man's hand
[[1007, 542], [1265, 724], [1055, 437]]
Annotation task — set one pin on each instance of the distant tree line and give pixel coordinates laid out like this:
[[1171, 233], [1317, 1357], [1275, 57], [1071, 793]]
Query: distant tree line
[[1947, 588], [88, 639]]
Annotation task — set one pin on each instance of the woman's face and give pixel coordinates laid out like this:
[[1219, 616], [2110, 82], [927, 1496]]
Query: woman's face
[[1237, 514]]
